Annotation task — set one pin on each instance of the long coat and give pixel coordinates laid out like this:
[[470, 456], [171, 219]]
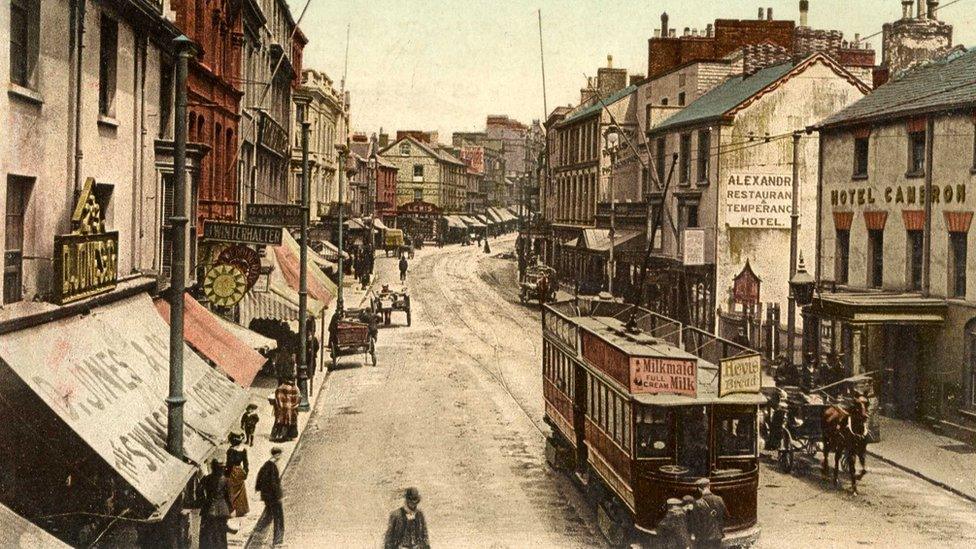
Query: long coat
[[397, 528], [268, 483]]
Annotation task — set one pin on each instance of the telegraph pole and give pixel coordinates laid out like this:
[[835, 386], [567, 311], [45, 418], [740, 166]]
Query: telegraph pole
[[794, 227], [303, 365], [185, 49], [343, 150]]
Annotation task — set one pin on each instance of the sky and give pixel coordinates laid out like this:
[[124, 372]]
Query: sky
[[445, 65]]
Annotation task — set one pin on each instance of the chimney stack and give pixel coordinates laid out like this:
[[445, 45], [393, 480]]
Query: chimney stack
[[708, 30], [762, 14], [769, 14], [664, 25], [906, 9], [672, 33], [933, 7], [609, 61], [804, 11]]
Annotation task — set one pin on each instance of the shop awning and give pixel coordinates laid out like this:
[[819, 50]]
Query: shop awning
[[492, 215], [204, 332], [272, 298], [253, 340], [472, 222], [320, 287], [16, 531], [880, 308], [331, 252], [455, 222], [598, 240], [378, 223], [484, 219], [106, 376], [321, 262], [354, 224]]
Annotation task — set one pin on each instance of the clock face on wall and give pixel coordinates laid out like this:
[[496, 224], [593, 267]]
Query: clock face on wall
[[224, 285]]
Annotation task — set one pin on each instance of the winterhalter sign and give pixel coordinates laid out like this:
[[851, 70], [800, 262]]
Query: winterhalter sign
[[758, 200], [86, 261]]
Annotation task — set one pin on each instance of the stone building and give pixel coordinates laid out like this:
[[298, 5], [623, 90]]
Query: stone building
[[730, 194], [376, 192], [894, 257], [493, 183], [270, 41], [427, 172], [327, 114], [67, 118]]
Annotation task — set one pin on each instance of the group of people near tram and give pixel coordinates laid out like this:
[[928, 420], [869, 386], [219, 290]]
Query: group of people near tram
[[693, 522]]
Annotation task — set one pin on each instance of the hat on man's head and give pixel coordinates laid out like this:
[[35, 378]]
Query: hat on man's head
[[688, 499], [236, 438], [674, 502], [252, 406], [276, 451], [703, 482], [412, 494]]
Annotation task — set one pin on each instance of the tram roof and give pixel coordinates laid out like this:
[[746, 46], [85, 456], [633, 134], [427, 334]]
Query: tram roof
[[613, 331]]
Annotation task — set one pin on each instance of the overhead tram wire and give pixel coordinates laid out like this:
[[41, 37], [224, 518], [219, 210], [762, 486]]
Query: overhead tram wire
[[946, 5]]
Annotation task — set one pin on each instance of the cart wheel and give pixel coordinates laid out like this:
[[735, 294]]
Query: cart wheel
[[372, 350]]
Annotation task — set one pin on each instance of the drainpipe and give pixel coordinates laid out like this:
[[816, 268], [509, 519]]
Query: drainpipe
[[927, 234], [819, 252], [79, 43]]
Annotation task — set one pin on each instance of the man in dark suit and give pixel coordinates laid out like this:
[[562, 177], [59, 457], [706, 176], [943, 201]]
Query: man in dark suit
[[407, 526], [268, 484], [709, 516], [216, 508]]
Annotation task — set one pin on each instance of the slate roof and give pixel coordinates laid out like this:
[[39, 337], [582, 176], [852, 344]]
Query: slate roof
[[597, 106], [725, 97], [937, 86]]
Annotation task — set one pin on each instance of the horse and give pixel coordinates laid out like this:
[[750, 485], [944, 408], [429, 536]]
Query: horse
[[845, 430]]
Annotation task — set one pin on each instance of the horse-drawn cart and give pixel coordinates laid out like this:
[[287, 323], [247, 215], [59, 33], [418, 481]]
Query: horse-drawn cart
[[354, 332], [538, 284], [387, 301]]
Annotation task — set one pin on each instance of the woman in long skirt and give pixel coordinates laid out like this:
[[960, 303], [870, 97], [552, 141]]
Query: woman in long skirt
[[237, 470]]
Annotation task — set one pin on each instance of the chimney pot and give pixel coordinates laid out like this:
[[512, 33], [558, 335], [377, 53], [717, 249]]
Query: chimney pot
[[672, 32], [687, 31], [609, 61], [708, 30], [920, 9], [657, 33], [933, 6], [762, 14], [664, 24], [769, 14], [694, 32], [906, 9]]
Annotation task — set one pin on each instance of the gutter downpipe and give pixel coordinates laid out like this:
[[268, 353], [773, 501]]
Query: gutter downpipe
[[927, 234], [79, 43], [819, 249]]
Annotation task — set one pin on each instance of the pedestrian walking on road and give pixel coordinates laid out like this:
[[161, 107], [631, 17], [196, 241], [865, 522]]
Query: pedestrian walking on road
[[672, 531], [407, 528], [249, 423], [237, 470], [487, 247], [215, 510], [403, 268], [287, 398], [709, 517], [269, 485]]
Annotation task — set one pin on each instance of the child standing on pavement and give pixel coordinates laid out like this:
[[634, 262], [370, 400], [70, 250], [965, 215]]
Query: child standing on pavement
[[249, 423]]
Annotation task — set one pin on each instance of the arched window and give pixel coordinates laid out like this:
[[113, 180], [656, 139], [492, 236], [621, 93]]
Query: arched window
[[191, 127]]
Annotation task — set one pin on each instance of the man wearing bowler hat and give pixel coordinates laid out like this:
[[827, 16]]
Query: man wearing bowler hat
[[407, 528], [709, 516]]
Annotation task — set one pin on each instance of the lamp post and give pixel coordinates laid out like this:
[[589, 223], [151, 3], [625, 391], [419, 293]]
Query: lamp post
[[801, 293], [343, 150], [185, 49], [794, 228], [611, 147], [303, 364]]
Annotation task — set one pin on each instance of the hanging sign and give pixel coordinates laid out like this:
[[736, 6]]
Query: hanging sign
[[246, 259], [278, 215], [262, 235], [758, 200], [654, 376], [741, 374], [224, 285], [86, 261], [693, 247], [745, 286]]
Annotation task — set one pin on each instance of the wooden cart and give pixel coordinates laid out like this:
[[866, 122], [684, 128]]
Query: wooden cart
[[388, 301], [355, 333]]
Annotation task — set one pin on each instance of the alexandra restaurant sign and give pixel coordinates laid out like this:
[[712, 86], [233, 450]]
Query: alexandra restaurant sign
[[758, 200]]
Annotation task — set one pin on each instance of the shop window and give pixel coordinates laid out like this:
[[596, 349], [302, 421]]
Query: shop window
[[915, 259], [736, 433], [18, 192], [842, 256], [916, 153], [652, 429], [107, 65], [685, 153], [704, 153], [875, 258], [24, 32], [861, 157], [958, 242]]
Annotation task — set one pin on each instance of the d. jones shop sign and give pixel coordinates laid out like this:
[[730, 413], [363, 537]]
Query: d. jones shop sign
[[86, 261]]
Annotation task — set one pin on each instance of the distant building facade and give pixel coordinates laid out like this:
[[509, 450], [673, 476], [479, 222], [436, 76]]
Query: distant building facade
[[327, 116]]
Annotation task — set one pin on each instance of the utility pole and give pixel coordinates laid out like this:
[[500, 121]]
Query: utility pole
[[303, 365], [343, 150], [185, 49], [794, 227]]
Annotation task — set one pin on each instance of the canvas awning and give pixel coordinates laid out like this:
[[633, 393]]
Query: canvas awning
[[598, 240], [484, 219], [320, 287], [252, 339], [880, 308], [493, 215], [321, 261], [105, 375], [330, 251], [16, 531], [354, 224], [378, 223], [274, 299], [455, 222], [472, 222], [204, 332]]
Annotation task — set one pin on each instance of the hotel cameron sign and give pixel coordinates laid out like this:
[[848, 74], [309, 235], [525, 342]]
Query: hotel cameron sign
[[86, 261]]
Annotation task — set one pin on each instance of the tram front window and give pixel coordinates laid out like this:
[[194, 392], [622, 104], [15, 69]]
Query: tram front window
[[692, 425], [736, 433], [653, 433]]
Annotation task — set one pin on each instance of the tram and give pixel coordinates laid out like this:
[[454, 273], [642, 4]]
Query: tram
[[639, 420]]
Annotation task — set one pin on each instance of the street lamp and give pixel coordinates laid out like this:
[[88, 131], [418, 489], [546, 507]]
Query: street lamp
[[801, 293], [372, 163], [611, 147]]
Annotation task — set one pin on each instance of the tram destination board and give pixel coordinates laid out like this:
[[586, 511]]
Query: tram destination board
[[278, 215], [242, 233]]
